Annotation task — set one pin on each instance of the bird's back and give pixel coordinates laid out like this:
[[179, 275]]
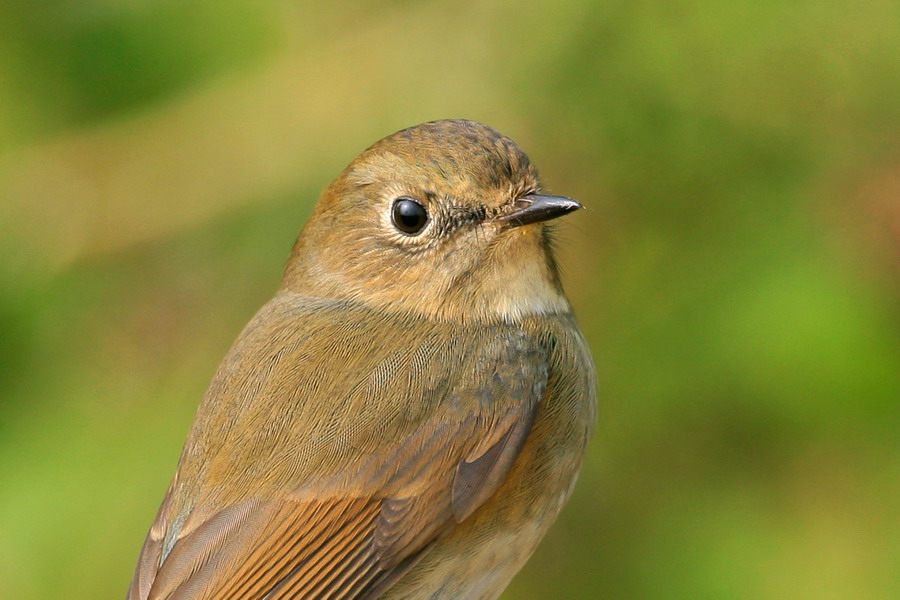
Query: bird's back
[[373, 483]]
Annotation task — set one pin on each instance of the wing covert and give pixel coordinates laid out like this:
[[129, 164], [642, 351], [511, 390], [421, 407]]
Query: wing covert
[[351, 480]]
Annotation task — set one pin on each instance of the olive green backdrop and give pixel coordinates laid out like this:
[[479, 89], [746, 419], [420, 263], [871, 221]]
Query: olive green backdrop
[[736, 270]]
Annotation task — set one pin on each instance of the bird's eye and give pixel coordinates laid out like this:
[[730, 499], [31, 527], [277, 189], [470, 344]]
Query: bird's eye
[[409, 216]]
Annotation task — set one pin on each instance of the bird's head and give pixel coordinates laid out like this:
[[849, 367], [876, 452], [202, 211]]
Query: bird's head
[[444, 220]]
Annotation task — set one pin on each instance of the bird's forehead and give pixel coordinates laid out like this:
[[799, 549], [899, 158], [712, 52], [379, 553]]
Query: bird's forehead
[[448, 156]]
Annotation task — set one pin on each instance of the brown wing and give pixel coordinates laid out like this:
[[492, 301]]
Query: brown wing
[[378, 494]]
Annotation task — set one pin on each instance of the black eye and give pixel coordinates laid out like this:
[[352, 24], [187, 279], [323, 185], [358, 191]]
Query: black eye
[[409, 216]]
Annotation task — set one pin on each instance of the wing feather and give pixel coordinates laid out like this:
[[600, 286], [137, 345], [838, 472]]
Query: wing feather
[[345, 511]]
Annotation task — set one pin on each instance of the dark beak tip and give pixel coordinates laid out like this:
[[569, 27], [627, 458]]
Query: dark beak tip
[[573, 205]]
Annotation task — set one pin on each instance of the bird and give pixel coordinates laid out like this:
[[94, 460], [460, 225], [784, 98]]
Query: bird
[[408, 415]]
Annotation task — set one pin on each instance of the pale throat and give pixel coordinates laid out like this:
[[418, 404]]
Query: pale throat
[[523, 288], [515, 283]]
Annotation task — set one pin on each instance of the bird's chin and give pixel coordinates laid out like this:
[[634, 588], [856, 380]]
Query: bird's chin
[[521, 279]]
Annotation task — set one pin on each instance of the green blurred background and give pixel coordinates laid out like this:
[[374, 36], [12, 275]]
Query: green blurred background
[[736, 271]]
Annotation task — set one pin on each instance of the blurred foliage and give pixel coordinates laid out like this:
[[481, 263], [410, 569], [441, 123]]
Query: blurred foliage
[[736, 271]]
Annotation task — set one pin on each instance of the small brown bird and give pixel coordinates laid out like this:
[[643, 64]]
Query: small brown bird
[[407, 416]]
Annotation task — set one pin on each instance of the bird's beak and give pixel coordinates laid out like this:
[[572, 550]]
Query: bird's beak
[[536, 208]]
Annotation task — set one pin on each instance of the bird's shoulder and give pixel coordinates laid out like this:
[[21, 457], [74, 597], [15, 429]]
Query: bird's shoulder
[[311, 384]]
